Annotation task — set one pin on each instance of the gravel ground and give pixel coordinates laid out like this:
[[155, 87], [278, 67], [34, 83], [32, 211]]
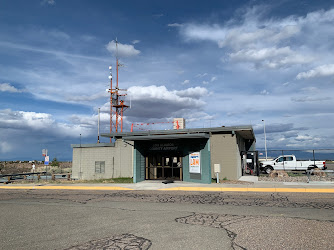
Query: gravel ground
[[295, 178]]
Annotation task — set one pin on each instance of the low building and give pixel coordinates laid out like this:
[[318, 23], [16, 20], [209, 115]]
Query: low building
[[184, 154]]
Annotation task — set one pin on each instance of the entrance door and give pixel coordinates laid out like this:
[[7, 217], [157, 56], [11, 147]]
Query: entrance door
[[160, 167]]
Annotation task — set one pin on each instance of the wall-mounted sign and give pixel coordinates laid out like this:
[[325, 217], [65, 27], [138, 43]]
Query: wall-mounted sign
[[195, 163], [163, 147]]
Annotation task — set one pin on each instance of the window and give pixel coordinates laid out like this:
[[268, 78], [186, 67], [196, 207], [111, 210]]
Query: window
[[288, 158], [99, 167], [279, 159]]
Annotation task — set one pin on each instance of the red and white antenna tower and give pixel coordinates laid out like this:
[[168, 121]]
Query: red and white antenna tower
[[117, 106]]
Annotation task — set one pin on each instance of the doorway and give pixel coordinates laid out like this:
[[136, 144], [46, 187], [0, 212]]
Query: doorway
[[162, 166], [250, 164]]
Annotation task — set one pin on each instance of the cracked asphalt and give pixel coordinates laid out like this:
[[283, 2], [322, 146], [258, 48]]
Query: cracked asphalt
[[63, 219]]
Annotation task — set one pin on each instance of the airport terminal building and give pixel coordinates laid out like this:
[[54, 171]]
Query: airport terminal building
[[183, 155]]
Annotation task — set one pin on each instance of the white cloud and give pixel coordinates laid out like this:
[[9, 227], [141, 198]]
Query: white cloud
[[310, 89], [5, 147], [310, 99], [7, 87], [135, 41], [174, 25], [270, 57], [205, 82], [305, 137], [88, 38], [264, 92], [320, 71], [87, 98], [185, 82], [271, 43], [56, 53], [162, 93], [59, 34], [203, 32], [159, 102], [158, 15], [252, 30], [202, 75], [124, 50], [49, 2], [38, 123], [214, 78], [195, 92]]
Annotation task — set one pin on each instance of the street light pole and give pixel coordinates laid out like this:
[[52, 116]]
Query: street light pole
[[265, 138], [80, 174]]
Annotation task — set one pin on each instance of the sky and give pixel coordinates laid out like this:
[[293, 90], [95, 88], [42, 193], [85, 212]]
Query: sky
[[216, 63]]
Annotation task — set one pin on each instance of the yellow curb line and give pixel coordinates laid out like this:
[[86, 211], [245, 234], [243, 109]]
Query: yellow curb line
[[66, 187], [279, 190]]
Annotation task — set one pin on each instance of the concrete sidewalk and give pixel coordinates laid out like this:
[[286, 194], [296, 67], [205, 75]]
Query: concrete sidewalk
[[261, 186]]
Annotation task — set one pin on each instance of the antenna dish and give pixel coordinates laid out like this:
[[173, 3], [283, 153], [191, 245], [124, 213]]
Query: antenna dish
[[110, 67]]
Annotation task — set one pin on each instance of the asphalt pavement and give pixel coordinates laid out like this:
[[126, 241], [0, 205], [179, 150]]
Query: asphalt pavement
[[104, 219]]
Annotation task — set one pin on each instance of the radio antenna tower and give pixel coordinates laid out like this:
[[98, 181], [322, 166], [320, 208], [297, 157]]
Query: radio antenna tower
[[117, 106]]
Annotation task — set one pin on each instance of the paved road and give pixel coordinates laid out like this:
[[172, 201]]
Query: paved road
[[63, 219]]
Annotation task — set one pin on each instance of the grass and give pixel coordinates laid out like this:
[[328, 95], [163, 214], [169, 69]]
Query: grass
[[295, 174], [62, 181], [214, 180], [113, 180]]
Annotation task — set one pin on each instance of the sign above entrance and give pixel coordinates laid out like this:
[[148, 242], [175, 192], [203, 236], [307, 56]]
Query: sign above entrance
[[163, 147], [195, 163]]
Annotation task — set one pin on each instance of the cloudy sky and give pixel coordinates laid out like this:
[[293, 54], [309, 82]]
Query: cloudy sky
[[216, 63]]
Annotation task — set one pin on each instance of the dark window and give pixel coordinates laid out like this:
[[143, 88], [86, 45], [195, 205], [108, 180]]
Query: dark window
[[280, 159], [99, 167]]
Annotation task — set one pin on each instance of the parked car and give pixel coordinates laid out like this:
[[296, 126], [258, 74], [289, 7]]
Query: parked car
[[289, 162]]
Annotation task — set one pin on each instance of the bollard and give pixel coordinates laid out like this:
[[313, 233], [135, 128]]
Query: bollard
[[38, 177], [8, 178], [53, 177], [68, 177], [308, 172], [217, 170]]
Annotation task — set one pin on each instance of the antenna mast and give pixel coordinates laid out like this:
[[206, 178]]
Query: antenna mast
[[117, 106]]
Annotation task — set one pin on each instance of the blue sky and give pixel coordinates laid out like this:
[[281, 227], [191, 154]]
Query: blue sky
[[214, 63]]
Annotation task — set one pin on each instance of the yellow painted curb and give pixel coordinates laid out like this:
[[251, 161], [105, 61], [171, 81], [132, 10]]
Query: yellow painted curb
[[237, 189], [65, 187]]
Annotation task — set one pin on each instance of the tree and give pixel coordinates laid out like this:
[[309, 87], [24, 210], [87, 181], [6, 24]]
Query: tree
[[55, 163]]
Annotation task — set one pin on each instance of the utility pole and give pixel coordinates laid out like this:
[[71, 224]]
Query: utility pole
[[265, 138]]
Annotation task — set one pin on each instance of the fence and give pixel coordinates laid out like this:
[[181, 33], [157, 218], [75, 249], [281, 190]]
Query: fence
[[301, 154], [32, 176], [312, 155]]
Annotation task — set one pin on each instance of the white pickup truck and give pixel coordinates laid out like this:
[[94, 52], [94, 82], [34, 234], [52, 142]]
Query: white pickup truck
[[289, 162]]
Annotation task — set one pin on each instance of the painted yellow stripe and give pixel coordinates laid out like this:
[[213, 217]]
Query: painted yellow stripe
[[65, 187], [239, 189], [200, 189]]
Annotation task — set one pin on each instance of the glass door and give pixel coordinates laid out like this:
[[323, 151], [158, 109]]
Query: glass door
[[160, 167]]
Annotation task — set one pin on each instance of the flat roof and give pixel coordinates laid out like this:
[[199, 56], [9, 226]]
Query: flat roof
[[244, 131], [93, 145]]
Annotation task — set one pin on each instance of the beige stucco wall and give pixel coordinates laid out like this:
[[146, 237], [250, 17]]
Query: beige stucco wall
[[118, 161], [225, 151]]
